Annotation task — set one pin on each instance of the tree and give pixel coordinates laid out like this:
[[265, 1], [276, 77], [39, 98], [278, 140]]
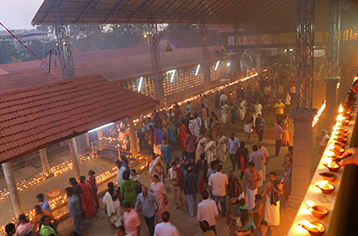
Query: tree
[[8, 53]]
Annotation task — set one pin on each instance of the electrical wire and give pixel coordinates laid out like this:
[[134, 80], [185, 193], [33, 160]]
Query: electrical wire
[[26, 47]]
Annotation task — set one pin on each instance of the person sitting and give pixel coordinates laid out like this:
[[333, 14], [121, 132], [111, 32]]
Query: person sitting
[[24, 227], [204, 226], [244, 226], [10, 229], [46, 227], [39, 213]]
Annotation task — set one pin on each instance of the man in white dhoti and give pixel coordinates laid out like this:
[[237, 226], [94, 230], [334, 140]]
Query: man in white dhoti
[[264, 152], [253, 178], [273, 190]]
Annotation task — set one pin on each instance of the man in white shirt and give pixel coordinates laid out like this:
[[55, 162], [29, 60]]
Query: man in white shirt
[[288, 101], [223, 98], [120, 169], [207, 210], [175, 185], [258, 108], [217, 185], [166, 228], [233, 145], [264, 152]]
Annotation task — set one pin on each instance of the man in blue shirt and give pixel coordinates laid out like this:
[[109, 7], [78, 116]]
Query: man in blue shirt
[[45, 206], [148, 204]]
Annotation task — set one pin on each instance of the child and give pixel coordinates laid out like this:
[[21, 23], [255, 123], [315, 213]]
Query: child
[[256, 212], [242, 206], [45, 206]]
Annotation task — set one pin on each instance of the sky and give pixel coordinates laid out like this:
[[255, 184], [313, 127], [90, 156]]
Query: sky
[[17, 14]]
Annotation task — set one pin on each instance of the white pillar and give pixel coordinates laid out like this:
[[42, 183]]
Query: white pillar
[[132, 138], [100, 142], [44, 161], [11, 186], [74, 158]]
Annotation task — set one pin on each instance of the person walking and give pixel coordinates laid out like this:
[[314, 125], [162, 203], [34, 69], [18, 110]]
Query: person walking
[[208, 211], [191, 189], [131, 220], [148, 204], [92, 182], [280, 109], [112, 205], [273, 190], [120, 170], [265, 153], [166, 228], [190, 145], [259, 126], [217, 184], [128, 186], [242, 157], [288, 101], [158, 139], [88, 204], [224, 112], [278, 132], [248, 124], [233, 145], [286, 136], [253, 178], [75, 209], [201, 169], [175, 177], [221, 147], [223, 98], [258, 159], [234, 186], [166, 150], [158, 189]]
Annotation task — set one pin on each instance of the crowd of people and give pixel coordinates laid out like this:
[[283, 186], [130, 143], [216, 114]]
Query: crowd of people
[[196, 130]]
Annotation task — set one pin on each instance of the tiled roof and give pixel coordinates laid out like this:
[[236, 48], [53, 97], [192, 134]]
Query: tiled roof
[[113, 69], [33, 118]]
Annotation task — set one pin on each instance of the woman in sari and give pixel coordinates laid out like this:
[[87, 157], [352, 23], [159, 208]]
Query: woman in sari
[[158, 189], [224, 112], [221, 147], [286, 135], [88, 204], [200, 147], [128, 189], [244, 226], [112, 205], [92, 182], [182, 135], [214, 128], [242, 108], [156, 167], [171, 134], [202, 169], [166, 154]]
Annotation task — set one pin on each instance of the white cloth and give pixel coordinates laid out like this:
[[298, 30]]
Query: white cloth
[[272, 213], [258, 109], [218, 183], [261, 182], [200, 148], [293, 89], [207, 210], [210, 156], [288, 100], [250, 198], [113, 209], [324, 140], [264, 152], [120, 175], [166, 229], [233, 145], [223, 98], [242, 109], [248, 128]]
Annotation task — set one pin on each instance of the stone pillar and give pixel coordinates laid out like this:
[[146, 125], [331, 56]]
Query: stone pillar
[[132, 138], [74, 158], [11, 186], [238, 66], [82, 143], [206, 75], [159, 88], [258, 61], [331, 98], [100, 142], [44, 162], [302, 147]]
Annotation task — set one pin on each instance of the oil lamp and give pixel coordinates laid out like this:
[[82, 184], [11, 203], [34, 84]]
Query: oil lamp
[[339, 144], [317, 211], [332, 166], [314, 228], [337, 150], [325, 186], [329, 176]]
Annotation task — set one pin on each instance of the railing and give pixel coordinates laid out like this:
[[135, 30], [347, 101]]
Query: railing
[[324, 209], [180, 79]]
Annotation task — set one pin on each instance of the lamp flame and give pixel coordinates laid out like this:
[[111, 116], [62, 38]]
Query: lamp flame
[[340, 109]]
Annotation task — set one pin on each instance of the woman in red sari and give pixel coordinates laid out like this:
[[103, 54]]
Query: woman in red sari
[[182, 135], [88, 204], [92, 182]]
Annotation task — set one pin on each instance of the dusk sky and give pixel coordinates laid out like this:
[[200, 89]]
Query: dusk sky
[[17, 14]]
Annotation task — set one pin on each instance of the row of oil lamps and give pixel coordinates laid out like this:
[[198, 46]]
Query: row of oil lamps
[[331, 158]]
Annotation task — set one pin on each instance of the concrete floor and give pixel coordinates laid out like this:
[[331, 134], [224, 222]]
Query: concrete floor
[[187, 225]]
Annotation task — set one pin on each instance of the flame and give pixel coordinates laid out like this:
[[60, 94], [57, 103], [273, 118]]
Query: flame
[[324, 184], [319, 114], [311, 227], [340, 118], [308, 224], [340, 109], [309, 203]]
